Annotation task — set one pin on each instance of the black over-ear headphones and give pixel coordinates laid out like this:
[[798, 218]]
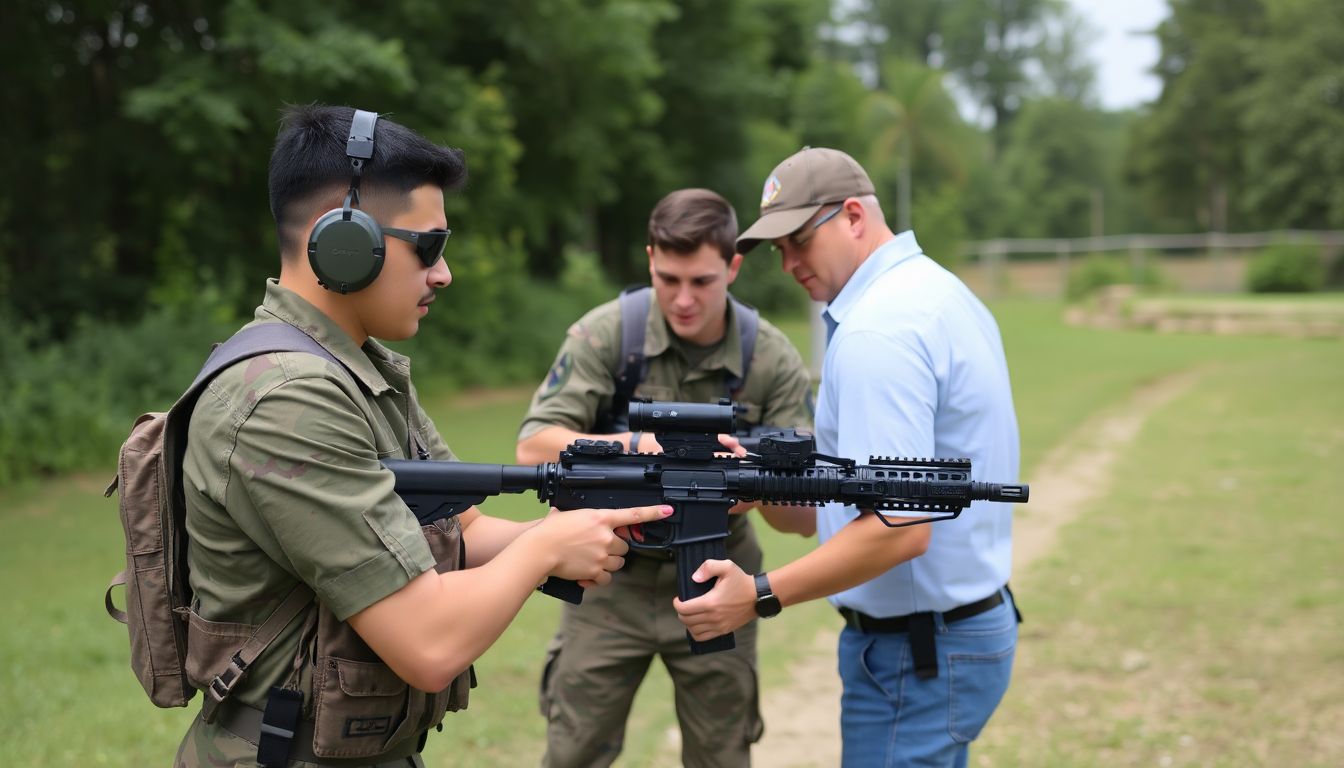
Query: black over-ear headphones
[[346, 247]]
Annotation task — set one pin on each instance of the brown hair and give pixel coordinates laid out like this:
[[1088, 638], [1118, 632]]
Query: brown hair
[[687, 219]]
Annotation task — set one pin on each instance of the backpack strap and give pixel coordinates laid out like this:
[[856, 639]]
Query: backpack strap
[[245, 344], [748, 324], [633, 366], [258, 340], [298, 599]]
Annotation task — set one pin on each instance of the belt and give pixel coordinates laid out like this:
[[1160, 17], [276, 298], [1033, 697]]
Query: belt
[[245, 723], [865, 623]]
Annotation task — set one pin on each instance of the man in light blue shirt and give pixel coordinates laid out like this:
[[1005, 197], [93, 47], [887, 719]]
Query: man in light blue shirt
[[914, 368]]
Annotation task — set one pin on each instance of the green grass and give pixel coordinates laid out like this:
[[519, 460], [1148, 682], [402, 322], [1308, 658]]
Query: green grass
[[1210, 573], [1194, 615]]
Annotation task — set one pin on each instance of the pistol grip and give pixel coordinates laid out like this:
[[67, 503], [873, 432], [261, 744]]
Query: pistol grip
[[566, 590], [689, 558]]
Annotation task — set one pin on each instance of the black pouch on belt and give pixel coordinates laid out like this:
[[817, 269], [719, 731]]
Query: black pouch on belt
[[924, 645], [284, 707]]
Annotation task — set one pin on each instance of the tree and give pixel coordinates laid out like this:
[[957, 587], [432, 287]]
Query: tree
[[914, 117], [1293, 117], [1187, 152], [988, 44], [1052, 168]]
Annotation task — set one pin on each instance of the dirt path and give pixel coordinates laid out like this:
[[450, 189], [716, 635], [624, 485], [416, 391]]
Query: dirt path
[[803, 716]]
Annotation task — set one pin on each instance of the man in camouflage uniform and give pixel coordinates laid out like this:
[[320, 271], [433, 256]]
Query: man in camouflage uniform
[[693, 347], [286, 496]]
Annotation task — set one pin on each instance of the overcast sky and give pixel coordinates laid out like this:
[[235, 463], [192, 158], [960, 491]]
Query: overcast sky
[[1122, 53]]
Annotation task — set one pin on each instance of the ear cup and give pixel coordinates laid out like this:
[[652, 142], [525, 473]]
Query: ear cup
[[346, 254]]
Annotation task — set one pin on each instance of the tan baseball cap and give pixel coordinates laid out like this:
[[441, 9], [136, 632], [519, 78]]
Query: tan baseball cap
[[799, 187]]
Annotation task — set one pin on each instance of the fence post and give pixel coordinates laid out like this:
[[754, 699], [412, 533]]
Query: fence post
[[1217, 247], [990, 258], [1062, 261], [1136, 257], [818, 325]]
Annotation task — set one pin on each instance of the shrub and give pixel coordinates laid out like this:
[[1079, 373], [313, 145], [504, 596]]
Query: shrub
[[1286, 268], [1099, 270], [68, 405], [497, 325]]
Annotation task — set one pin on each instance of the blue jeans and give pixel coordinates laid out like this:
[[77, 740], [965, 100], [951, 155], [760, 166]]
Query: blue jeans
[[889, 718]]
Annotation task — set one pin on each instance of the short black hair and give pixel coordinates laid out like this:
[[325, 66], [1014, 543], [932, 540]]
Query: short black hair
[[687, 219], [309, 168]]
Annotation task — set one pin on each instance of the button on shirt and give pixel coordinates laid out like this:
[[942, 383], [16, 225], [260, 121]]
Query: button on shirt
[[915, 368]]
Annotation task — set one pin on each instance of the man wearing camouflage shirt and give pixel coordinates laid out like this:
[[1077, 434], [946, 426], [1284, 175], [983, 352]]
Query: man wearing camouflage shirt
[[286, 498], [693, 346]]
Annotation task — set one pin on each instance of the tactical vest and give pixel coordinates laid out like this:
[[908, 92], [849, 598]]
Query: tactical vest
[[359, 707], [634, 366]]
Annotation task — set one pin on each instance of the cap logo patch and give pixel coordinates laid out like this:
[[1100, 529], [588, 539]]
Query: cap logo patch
[[770, 191]]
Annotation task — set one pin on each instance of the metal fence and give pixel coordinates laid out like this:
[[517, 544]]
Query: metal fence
[[1210, 262]]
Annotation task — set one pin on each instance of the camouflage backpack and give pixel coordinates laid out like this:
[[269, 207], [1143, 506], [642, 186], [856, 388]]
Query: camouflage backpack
[[153, 511]]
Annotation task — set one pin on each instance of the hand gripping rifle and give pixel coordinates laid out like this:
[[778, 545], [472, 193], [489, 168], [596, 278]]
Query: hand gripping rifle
[[700, 486]]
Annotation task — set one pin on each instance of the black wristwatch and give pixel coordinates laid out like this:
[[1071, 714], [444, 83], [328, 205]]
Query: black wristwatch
[[767, 605]]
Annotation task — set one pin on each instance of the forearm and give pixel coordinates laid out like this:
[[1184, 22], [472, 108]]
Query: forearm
[[487, 536], [787, 518], [547, 444], [433, 628], [860, 551]]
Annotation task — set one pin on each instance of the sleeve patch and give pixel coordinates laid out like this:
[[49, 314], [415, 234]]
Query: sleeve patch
[[558, 375]]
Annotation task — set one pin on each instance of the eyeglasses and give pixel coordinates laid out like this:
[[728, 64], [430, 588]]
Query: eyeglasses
[[805, 233], [802, 236], [428, 245]]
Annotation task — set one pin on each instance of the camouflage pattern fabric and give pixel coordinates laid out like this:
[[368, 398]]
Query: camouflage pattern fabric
[[210, 746], [604, 646], [581, 381], [599, 655], [283, 484]]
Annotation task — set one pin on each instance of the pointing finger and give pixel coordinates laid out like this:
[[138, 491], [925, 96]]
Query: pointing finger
[[634, 515]]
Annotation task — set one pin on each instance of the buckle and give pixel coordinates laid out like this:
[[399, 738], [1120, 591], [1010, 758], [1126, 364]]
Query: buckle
[[222, 684]]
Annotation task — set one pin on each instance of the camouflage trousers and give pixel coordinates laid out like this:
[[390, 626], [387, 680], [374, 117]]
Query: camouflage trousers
[[208, 745], [602, 650]]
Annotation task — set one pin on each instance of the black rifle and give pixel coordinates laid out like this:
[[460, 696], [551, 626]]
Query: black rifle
[[699, 485], [751, 438]]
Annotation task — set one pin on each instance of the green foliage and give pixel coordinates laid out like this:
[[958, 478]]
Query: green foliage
[[63, 536], [1054, 165], [1286, 268], [495, 326], [1294, 117], [1187, 149], [940, 224], [1099, 270], [68, 405]]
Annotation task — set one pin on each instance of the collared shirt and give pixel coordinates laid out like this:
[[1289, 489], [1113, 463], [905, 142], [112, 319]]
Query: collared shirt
[[283, 482], [582, 381], [915, 368]]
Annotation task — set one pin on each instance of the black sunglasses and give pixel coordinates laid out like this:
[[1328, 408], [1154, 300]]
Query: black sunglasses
[[428, 245]]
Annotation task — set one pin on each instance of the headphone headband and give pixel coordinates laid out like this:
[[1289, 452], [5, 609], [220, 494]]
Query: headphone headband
[[360, 144], [345, 247]]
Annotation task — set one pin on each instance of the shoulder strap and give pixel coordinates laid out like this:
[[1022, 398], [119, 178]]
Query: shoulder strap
[[221, 686], [258, 340], [246, 343], [633, 366], [748, 324]]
